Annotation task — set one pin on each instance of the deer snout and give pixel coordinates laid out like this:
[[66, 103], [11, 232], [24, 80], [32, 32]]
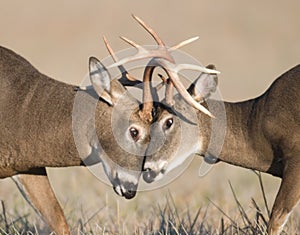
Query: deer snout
[[126, 189], [130, 190], [152, 170], [149, 175]]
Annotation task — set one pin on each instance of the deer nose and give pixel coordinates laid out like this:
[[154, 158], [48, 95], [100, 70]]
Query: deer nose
[[129, 190], [126, 189], [149, 175]]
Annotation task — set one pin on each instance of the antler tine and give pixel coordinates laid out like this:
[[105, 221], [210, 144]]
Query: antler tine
[[149, 30], [180, 67], [110, 50], [163, 82], [169, 93], [132, 43], [169, 89], [183, 43], [121, 67]]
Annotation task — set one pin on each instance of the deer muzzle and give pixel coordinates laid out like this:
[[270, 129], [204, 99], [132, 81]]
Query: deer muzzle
[[154, 170], [126, 189], [149, 175]]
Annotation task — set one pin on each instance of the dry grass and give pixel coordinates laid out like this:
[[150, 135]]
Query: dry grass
[[166, 217]]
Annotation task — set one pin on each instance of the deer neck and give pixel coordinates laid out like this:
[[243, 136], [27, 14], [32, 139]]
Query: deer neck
[[53, 139], [36, 128], [73, 135], [244, 143], [49, 115]]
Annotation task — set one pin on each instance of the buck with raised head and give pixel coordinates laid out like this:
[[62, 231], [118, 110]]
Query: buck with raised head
[[261, 134], [47, 123]]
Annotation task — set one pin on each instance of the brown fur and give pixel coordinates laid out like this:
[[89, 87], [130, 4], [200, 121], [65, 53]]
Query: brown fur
[[39, 120], [262, 134]]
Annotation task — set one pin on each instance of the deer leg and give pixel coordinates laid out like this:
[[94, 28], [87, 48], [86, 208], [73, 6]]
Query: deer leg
[[37, 190], [287, 198]]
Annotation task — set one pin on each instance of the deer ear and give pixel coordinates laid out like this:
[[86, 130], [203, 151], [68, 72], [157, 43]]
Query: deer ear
[[100, 79], [204, 85]]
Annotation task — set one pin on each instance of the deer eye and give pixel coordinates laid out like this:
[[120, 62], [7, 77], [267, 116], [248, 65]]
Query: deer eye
[[134, 133], [168, 123]]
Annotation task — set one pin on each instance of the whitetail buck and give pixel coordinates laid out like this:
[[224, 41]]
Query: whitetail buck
[[262, 133], [44, 125]]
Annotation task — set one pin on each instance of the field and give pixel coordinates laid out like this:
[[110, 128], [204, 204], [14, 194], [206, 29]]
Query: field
[[204, 206], [251, 43]]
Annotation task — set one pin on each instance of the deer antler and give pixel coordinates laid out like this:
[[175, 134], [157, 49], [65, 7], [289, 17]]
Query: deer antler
[[161, 52], [161, 57], [172, 71], [146, 112], [126, 79], [149, 30]]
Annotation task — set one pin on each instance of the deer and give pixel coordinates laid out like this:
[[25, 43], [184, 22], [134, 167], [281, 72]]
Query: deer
[[38, 129], [262, 133], [48, 123]]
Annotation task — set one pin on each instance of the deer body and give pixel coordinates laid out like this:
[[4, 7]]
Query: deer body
[[34, 109], [264, 133], [38, 125], [261, 134]]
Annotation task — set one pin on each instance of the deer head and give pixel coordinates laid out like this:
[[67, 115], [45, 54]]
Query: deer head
[[137, 126], [106, 118], [164, 118], [179, 129]]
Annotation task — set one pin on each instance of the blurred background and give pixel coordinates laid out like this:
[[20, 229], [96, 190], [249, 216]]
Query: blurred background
[[250, 42]]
